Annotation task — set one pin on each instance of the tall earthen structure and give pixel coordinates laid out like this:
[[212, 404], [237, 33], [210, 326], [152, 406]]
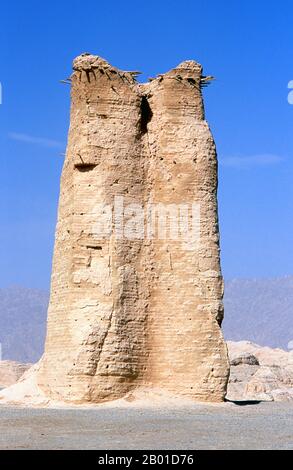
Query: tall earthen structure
[[135, 309]]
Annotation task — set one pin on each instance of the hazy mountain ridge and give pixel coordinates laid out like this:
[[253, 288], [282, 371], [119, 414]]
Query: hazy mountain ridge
[[23, 314], [258, 310]]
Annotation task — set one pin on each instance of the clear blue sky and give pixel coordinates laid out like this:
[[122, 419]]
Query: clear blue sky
[[246, 45]]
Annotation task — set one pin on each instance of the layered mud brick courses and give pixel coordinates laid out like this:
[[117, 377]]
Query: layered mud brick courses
[[126, 313]]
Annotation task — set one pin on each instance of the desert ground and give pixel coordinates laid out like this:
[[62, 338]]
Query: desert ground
[[264, 425], [258, 413]]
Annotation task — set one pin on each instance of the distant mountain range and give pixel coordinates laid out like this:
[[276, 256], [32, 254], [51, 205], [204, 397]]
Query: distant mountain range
[[259, 310], [23, 315]]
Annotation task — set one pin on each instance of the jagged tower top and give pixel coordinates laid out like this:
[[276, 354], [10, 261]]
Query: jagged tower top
[[189, 69]]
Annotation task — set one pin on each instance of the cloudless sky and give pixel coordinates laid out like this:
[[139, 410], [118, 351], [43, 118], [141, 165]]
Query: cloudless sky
[[246, 45]]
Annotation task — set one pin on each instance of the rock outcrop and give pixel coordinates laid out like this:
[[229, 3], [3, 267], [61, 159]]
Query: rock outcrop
[[130, 305], [259, 373], [11, 371]]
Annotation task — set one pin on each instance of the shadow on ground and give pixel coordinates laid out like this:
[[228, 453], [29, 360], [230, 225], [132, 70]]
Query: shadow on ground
[[244, 402]]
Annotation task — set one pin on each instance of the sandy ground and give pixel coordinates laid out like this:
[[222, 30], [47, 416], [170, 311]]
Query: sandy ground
[[133, 426]]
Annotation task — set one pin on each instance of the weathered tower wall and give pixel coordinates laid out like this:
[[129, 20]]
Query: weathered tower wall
[[129, 306]]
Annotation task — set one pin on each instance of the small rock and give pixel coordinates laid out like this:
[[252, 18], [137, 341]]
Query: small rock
[[282, 394], [244, 358]]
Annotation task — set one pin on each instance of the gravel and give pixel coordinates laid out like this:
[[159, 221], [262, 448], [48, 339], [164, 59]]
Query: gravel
[[228, 426]]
